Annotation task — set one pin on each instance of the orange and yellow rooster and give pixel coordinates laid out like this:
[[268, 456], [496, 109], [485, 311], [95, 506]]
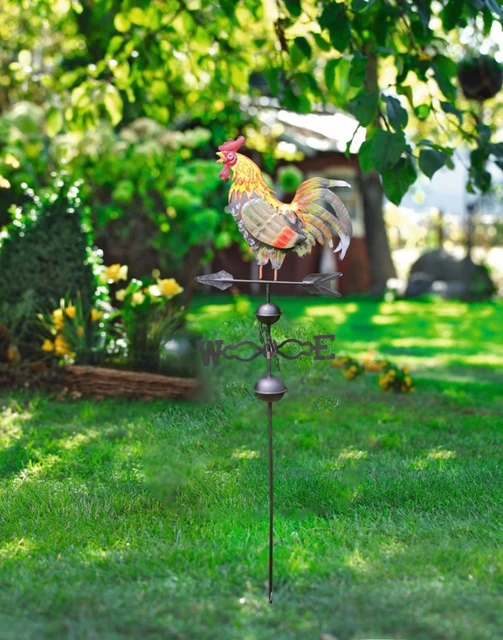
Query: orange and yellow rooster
[[272, 228]]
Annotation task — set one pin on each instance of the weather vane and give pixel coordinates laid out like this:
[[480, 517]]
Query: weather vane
[[272, 229]]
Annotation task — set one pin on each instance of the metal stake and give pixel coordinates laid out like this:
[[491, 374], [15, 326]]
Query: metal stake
[[269, 388], [271, 500]]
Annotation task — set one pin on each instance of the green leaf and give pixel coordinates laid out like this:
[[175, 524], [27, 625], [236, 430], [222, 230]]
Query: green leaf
[[495, 7], [405, 90], [397, 115], [301, 49], [365, 156], [294, 7], [381, 27], [330, 72], [397, 182], [296, 102], [387, 147], [497, 150], [444, 83], [358, 68], [446, 65], [422, 111], [136, 16], [335, 19], [361, 5], [484, 132], [304, 46], [321, 42], [113, 104], [403, 65], [54, 122], [364, 107], [431, 160], [121, 22], [451, 14], [482, 180], [447, 107]]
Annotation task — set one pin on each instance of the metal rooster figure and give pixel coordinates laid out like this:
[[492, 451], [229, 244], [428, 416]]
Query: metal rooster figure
[[272, 229]]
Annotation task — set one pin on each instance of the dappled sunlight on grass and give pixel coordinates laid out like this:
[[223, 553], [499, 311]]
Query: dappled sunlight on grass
[[440, 454], [11, 420], [152, 519], [78, 439], [385, 319], [245, 454], [16, 548], [357, 562], [33, 470], [338, 313]]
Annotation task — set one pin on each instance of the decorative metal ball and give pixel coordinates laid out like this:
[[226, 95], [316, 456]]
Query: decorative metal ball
[[268, 313], [270, 389]]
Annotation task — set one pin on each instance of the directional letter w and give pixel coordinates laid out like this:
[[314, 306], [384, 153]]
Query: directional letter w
[[209, 352]]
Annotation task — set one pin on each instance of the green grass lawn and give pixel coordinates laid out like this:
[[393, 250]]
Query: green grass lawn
[[129, 520]]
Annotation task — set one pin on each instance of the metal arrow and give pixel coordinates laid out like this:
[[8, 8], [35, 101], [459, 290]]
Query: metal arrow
[[315, 283]]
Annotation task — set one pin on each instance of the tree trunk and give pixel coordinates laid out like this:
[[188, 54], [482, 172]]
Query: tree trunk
[[376, 238], [381, 263]]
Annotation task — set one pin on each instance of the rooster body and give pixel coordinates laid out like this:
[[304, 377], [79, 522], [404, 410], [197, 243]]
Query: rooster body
[[272, 228]]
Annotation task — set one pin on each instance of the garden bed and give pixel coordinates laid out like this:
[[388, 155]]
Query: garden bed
[[99, 382]]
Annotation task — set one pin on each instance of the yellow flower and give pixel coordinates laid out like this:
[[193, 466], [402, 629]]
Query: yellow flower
[[405, 369], [80, 331], [121, 295], [154, 291], [96, 315], [116, 272], [71, 311], [61, 347], [4, 183], [407, 380], [12, 161], [13, 354], [137, 298], [58, 319], [47, 345], [169, 287]]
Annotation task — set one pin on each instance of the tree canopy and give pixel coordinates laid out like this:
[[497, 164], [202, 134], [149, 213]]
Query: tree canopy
[[393, 64]]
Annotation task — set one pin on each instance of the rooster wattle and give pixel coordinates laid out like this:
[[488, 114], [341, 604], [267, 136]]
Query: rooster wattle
[[273, 228]]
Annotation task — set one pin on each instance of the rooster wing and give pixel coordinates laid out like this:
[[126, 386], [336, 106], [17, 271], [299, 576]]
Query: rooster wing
[[271, 227]]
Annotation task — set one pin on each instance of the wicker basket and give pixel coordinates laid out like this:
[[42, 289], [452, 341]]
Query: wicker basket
[[99, 382]]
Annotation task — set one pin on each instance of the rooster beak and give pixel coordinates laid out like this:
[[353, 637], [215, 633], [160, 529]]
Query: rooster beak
[[220, 157]]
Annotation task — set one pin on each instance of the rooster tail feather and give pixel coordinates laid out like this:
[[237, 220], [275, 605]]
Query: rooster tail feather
[[338, 207], [303, 192], [328, 224], [317, 227]]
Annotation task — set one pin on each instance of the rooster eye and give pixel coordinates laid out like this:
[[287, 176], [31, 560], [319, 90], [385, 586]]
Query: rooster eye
[[230, 156]]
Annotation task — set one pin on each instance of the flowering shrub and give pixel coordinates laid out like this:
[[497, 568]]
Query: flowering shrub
[[146, 314], [395, 378], [351, 367], [74, 335], [392, 377]]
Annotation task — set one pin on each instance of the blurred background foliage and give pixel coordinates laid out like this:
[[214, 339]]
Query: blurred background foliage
[[133, 96]]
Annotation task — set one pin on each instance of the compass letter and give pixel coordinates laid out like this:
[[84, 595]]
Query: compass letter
[[210, 352]]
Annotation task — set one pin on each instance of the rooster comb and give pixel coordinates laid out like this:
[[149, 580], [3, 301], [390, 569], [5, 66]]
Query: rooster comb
[[232, 145]]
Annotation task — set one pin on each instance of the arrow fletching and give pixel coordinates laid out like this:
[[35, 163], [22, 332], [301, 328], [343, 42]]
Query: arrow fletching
[[220, 280], [315, 283]]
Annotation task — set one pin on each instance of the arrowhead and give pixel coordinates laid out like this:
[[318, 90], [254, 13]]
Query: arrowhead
[[221, 280], [315, 283]]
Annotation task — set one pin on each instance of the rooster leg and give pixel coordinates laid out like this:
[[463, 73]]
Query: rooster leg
[[275, 275], [260, 273]]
